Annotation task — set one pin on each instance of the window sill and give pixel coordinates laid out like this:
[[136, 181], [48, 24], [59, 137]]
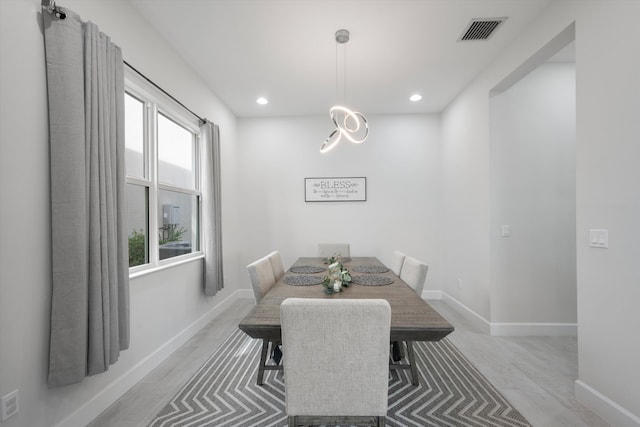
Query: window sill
[[165, 264]]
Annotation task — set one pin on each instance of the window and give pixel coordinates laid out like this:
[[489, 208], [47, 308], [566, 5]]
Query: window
[[163, 189]]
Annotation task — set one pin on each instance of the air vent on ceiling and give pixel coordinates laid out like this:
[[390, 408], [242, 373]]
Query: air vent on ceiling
[[481, 28]]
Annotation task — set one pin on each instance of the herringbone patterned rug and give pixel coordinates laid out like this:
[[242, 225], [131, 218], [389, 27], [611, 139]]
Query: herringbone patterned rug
[[451, 392]]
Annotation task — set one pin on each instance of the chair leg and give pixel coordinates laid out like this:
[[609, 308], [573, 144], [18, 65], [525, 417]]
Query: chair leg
[[276, 353], [412, 363], [291, 421], [263, 360], [382, 421], [396, 351]]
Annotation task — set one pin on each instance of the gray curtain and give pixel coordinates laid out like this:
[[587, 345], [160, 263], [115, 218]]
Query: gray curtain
[[211, 212], [90, 283]]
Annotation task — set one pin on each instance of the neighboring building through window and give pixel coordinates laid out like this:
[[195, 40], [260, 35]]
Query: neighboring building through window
[[163, 188]]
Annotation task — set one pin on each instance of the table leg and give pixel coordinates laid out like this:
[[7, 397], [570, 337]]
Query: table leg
[[412, 362], [263, 360]]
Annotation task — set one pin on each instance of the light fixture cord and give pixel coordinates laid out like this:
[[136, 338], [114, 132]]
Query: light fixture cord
[[345, 72], [337, 90]]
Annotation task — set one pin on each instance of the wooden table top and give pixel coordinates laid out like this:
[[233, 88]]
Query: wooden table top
[[412, 319]]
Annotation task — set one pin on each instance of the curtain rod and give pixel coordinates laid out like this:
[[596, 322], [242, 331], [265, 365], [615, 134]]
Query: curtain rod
[[51, 7], [165, 92]]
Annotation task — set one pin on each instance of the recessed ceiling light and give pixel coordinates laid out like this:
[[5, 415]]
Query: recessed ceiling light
[[262, 100], [415, 97]]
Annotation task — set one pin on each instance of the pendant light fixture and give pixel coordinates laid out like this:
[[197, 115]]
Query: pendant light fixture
[[349, 124]]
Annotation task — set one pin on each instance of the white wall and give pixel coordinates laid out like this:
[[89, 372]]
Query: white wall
[[465, 201], [607, 129], [166, 306], [25, 266], [533, 187], [400, 160], [608, 119]]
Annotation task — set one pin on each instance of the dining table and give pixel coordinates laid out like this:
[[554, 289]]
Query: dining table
[[412, 318]]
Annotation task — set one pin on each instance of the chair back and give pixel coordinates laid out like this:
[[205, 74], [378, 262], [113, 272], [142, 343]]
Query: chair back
[[414, 273], [396, 262], [337, 356], [326, 250], [261, 277], [276, 264]]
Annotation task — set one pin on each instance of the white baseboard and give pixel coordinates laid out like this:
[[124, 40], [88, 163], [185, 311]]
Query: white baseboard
[[473, 317], [505, 329], [606, 408], [114, 391]]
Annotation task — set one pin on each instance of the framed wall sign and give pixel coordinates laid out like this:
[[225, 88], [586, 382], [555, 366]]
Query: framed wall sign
[[346, 189]]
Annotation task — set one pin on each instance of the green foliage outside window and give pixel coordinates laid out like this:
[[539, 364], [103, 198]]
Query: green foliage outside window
[[138, 242], [171, 233], [137, 248]]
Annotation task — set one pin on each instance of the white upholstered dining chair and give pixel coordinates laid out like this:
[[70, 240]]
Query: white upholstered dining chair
[[326, 250], [261, 277], [262, 280], [336, 368], [414, 273], [396, 262], [276, 264]]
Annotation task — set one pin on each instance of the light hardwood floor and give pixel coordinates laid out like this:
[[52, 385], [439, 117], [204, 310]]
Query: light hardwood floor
[[535, 373]]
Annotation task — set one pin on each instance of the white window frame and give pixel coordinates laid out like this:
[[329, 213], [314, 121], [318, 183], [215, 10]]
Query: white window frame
[[156, 102]]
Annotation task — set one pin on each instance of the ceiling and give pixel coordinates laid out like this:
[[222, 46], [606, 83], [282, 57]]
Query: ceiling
[[285, 50]]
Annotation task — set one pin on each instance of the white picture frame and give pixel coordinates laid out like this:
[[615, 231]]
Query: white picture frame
[[335, 189]]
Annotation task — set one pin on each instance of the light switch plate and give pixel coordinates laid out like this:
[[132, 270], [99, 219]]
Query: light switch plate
[[599, 238]]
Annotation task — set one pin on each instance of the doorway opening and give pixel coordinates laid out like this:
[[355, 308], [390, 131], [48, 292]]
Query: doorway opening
[[533, 195]]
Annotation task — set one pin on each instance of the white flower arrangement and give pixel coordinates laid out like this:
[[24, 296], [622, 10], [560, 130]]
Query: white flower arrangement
[[337, 278]]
